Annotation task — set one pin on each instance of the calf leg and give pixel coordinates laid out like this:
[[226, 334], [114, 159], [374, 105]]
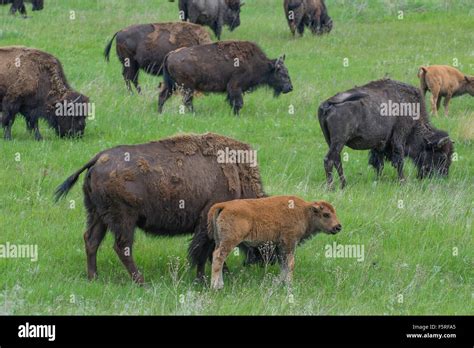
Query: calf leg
[[434, 100], [288, 262], [447, 99], [333, 158], [93, 236], [123, 248], [218, 258]]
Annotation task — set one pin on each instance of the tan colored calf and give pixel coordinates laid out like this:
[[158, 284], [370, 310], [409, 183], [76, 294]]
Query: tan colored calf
[[281, 220], [444, 81]]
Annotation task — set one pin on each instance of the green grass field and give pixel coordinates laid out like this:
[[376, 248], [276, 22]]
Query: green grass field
[[417, 238]]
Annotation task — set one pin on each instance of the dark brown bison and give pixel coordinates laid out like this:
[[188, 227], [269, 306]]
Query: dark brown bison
[[165, 188], [213, 13], [389, 118], [307, 13], [145, 46], [32, 82], [19, 5], [234, 67]]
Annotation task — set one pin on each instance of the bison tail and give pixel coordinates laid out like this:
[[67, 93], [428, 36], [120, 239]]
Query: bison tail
[[64, 188], [167, 79], [212, 221], [108, 47], [322, 111]]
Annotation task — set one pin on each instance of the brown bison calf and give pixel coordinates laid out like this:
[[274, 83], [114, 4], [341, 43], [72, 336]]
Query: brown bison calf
[[282, 220], [444, 81]]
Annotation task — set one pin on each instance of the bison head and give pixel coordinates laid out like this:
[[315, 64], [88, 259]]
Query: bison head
[[435, 158], [280, 79], [324, 218], [71, 114], [232, 13]]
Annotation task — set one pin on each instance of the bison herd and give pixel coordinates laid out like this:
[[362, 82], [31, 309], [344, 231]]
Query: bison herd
[[176, 185]]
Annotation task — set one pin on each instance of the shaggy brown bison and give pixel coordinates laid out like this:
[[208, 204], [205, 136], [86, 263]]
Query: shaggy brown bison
[[283, 221], [307, 13], [389, 118], [444, 81], [164, 187], [19, 5], [32, 82], [213, 13], [145, 46], [234, 67]]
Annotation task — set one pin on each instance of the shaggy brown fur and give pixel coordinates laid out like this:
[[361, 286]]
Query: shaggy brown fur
[[164, 188], [310, 13], [145, 46], [444, 81], [32, 82], [281, 220], [234, 67]]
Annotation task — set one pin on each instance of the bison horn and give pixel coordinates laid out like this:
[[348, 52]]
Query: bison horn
[[443, 141]]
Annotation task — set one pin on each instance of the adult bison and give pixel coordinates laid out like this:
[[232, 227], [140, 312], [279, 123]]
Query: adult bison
[[212, 13], [145, 46], [389, 118], [32, 82], [19, 5], [234, 67], [165, 188], [307, 13]]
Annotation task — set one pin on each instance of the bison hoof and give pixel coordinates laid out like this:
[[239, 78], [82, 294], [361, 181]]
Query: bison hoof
[[92, 276], [217, 285], [138, 278]]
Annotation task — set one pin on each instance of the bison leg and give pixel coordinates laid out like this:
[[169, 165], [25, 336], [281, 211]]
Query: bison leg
[[376, 160], [397, 160], [300, 27], [188, 99], [333, 159], [165, 94], [217, 29], [93, 236], [218, 258], [9, 113], [130, 73], [123, 248], [201, 247], [235, 98], [32, 123]]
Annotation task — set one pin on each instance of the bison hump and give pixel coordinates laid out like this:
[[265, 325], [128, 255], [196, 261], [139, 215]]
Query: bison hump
[[347, 97]]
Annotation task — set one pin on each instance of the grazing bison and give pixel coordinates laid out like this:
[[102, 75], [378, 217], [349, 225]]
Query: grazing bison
[[283, 221], [310, 13], [33, 83], [19, 5], [145, 46], [165, 188], [389, 118], [213, 13], [234, 67], [444, 81]]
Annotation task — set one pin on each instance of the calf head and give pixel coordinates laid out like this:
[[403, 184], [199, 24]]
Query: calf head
[[436, 156], [324, 217], [279, 77], [71, 114], [469, 84], [232, 13]]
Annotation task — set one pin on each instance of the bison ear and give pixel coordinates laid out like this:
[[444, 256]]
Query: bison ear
[[316, 207]]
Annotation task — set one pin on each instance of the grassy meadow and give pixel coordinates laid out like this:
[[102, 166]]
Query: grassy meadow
[[417, 237]]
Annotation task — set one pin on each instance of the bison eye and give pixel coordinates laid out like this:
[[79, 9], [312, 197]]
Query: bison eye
[[326, 215]]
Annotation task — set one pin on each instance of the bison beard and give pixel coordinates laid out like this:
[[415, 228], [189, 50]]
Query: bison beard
[[166, 188]]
